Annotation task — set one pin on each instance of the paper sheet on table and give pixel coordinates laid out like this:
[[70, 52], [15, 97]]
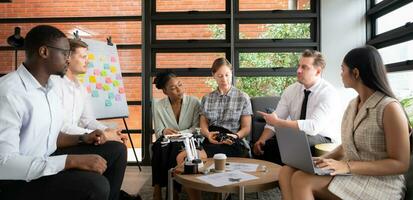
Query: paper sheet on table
[[232, 166], [226, 178]]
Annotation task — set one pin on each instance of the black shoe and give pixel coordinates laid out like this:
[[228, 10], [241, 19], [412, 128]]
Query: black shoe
[[125, 196]]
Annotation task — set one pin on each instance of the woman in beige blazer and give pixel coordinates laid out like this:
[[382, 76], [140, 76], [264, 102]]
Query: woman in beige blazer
[[172, 114], [375, 141]]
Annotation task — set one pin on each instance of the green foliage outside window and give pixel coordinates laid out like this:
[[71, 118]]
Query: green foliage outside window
[[407, 103], [267, 86], [287, 31]]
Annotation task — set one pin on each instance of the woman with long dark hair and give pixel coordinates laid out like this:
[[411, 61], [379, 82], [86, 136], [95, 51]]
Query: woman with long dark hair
[[375, 149]]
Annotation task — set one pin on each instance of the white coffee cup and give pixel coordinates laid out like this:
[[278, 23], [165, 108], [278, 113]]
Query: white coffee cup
[[219, 162]]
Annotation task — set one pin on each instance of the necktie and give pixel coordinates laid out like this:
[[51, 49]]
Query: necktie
[[304, 105]]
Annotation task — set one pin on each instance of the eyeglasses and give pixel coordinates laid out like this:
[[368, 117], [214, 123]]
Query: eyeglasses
[[66, 52]]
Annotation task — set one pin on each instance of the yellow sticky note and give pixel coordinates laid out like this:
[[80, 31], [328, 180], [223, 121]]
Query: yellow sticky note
[[92, 79], [91, 56], [116, 83], [113, 69], [106, 87]]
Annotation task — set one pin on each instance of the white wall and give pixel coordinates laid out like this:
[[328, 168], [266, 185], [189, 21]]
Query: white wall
[[343, 27]]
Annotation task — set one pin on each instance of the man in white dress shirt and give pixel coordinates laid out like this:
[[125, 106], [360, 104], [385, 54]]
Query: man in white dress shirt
[[78, 116], [309, 105], [36, 160]]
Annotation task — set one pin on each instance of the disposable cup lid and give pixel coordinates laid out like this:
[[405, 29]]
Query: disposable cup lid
[[220, 156]]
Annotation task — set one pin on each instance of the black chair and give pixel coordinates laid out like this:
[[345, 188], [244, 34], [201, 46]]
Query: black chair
[[409, 181], [258, 123], [409, 174]]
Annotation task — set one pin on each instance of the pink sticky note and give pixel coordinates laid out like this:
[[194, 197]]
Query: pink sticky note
[[96, 72], [108, 80], [88, 89], [121, 90], [113, 59], [98, 85]]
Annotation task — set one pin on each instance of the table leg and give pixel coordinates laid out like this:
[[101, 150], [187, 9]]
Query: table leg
[[223, 196], [241, 192], [170, 184]]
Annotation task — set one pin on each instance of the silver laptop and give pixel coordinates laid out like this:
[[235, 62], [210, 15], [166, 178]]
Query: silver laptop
[[295, 150]]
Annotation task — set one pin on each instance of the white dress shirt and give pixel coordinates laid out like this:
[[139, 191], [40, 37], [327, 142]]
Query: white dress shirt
[[78, 114], [323, 113], [30, 121]]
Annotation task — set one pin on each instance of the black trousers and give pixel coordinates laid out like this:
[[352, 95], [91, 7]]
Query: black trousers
[[74, 184], [237, 149], [163, 159], [272, 152]]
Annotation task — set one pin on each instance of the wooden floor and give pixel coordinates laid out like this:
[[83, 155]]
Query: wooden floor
[[134, 180]]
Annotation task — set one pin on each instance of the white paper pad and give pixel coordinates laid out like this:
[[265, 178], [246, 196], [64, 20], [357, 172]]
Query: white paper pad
[[226, 178], [245, 167]]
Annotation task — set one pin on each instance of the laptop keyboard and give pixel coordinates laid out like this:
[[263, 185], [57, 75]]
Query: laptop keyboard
[[322, 172]]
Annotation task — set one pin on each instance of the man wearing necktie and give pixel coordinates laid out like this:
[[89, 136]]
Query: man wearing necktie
[[307, 105]]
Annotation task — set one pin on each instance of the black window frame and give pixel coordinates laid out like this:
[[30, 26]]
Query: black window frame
[[392, 37], [231, 45]]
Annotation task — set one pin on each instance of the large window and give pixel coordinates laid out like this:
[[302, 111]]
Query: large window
[[395, 19], [262, 39], [391, 28], [402, 85]]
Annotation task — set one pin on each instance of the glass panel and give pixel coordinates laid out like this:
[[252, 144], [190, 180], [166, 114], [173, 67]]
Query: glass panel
[[194, 86], [130, 60], [398, 52], [269, 86], [394, 19], [269, 60], [121, 32], [189, 5], [133, 88], [256, 5], [275, 31], [69, 8], [190, 32], [186, 60], [402, 85], [378, 1]]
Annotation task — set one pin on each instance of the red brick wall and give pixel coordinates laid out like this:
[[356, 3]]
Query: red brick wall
[[69, 8], [130, 33], [251, 31], [186, 60], [185, 32], [247, 5], [121, 32], [188, 5]]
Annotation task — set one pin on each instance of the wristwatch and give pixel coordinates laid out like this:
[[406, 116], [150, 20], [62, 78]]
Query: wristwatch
[[81, 139]]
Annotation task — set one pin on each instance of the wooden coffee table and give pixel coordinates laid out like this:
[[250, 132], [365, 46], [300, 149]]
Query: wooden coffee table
[[266, 179]]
